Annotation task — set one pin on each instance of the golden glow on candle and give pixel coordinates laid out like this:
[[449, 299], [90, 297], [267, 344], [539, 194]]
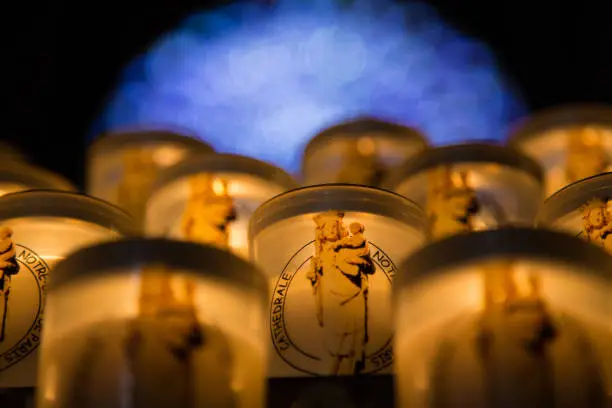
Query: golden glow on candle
[[218, 205], [110, 338], [439, 343], [330, 276], [30, 246]]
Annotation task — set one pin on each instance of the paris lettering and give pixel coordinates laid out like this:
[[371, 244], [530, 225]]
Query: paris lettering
[[338, 282]]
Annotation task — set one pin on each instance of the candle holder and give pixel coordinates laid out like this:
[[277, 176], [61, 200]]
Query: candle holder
[[582, 209], [209, 199], [123, 166], [508, 317], [471, 186], [16, 175], [571, 143], [154, 323], [359, 152], [38, 228], [329, 253]]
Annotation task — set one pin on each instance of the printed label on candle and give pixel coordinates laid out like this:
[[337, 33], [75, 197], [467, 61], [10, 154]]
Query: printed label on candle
[[455, 206], [209, 212], [342, 269], [596, 225], [23, 276]]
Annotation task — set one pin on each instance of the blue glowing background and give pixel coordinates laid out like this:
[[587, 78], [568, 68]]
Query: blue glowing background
[[262, 80]]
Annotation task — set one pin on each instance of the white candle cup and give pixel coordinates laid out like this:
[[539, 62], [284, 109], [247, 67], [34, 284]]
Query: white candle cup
[[359, 152], [329, 253], [38, 228], [513, 317], [122, 166], [18, 176], [209, 199], [582, 209], [471, 187], [153, 323], [570, 143]]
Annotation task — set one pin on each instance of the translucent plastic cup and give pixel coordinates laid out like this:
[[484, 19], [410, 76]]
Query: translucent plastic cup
[[37, 229], [330, 254], [361, 152], [511, 317], [209, 199], [154, 323], [123, 166], [570, 142], [471, 187]]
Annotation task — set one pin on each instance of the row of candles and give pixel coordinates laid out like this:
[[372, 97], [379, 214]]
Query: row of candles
[[239, 275]]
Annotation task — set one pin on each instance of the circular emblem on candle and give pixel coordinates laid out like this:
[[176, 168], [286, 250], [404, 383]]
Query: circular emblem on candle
[[330, 305], [23, 276]]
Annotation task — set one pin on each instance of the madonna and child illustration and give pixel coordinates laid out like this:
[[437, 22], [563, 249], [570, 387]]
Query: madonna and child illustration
[[516, 352], [597, 223], [8, 268], [209, 212], [455, 206], [163, 357], [330, 292]]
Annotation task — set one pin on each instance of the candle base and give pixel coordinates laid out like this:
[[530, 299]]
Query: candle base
[[367, 391]]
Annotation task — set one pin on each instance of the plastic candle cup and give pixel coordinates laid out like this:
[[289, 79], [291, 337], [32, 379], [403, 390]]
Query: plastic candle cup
[[209, 199], [570, 143], [122, 166], [582, 209], [510, 317], [18, 176], [470, 187], [38, 228], [330, 254], [154, 323], [359, 152]]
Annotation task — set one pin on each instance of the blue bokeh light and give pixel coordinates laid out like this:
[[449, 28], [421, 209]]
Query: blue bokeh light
[[262, 80]]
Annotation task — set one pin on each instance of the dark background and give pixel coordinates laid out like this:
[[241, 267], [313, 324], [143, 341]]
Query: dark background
[[63, 59]]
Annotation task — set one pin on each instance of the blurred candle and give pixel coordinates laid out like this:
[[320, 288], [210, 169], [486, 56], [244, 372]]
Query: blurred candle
[[329, 253], [154, 323], [513, 317], [582, 209], [210, 199], [20, 176], [122, 166], [359, 152], [571, 142], [471, 186], [38, 228]]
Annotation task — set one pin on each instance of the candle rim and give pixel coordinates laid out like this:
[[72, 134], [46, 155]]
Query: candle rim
[[34, 177], [460, 153], [340, 197], [136, 136], [572, 196], [224, 163], [125, 254], [529, 243], [559, 117], [360, 126], [66, 204]]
